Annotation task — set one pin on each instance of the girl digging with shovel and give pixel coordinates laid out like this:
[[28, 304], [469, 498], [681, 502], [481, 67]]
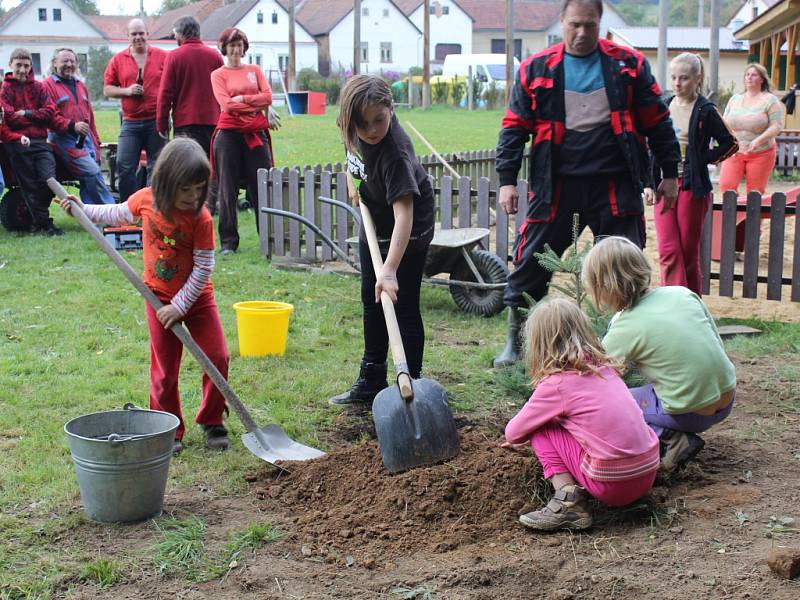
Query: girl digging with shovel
[[396, 189]]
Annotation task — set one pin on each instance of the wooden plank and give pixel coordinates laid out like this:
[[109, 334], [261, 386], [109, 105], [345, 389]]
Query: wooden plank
[[279, 241], [727, 253], [325, 216], [262, 199], [342, 217], [522, 204], [705, 249], [728, 331], [501, 232], [483, 202], [776, 57], [763, 47], [752, 239], [777, 238], [310, 212], [294, 206], [446, 202], [796, 261], [464, 202]]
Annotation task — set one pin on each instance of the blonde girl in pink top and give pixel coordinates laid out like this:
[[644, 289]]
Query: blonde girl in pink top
[[584, 425], [756, 118]]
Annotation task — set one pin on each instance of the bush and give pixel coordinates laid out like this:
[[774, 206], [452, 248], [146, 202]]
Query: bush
[[391, 76], [310, 80], [305, 77], [439, 92], [492, 95], [459, 90]]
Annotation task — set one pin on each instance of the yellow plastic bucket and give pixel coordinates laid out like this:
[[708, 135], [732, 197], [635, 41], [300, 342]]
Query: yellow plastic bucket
[[262, 326]]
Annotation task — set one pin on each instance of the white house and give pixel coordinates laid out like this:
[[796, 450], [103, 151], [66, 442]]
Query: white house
[[450, 24], [389, 40], [748, 11]]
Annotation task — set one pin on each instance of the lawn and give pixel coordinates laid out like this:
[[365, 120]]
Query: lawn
[[73, 340]]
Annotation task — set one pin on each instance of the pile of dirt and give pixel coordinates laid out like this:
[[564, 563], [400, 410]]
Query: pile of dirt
[[349, 502]]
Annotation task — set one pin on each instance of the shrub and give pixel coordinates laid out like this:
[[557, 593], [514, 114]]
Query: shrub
[[492, 95], [391, 76], [305, 77], [459, 90], [439, 92]]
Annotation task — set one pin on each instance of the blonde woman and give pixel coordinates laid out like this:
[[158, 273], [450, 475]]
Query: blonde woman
[[756, 118]]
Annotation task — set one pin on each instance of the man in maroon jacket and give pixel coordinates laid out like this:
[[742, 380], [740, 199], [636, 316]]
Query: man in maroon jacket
[[186, 86]]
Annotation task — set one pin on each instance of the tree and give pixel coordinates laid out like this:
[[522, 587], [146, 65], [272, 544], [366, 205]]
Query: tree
[[98, 59], [167, 5], [85, 7]]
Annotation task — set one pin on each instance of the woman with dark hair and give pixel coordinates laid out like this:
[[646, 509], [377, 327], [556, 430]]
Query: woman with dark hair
[[241, 143], [756, 118]]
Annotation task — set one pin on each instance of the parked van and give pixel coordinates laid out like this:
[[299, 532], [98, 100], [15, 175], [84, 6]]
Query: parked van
[[487, 68]]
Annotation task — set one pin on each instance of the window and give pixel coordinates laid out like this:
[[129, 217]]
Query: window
[[43, 14], [364, 51], [56, 14], [386, 52], [438, 10], [365, 12], [443, 50], [258, 59], [499, 47], [283, 61], [274, 18], [755, 13], [83, 63], [260, 18], [553, 38], [37, 63], [385, 12]]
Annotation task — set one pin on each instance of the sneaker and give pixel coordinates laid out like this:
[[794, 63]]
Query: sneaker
[[217, 437], [227, 251], [177, 447], [54, 231], [678, 448], [567, 509]]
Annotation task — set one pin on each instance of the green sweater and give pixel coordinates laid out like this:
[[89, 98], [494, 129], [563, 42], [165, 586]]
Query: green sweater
[[671, 337]]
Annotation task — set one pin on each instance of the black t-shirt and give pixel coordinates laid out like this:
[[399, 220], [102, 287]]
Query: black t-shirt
[[388, 171]]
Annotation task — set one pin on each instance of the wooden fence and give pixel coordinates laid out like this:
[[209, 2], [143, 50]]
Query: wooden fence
[[465, 202]]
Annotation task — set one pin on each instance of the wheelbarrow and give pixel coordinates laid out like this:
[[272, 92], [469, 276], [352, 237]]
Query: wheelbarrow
[[477, 277]]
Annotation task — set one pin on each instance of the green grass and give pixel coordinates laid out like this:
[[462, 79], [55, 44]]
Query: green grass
[[313, 139]]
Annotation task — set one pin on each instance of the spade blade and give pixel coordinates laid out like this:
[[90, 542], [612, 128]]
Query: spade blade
[[271, 444]]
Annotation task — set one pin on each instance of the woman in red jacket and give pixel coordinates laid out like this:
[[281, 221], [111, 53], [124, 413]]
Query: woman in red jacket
[[241, 143]]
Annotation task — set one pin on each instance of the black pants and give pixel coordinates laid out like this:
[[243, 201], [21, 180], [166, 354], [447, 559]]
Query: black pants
[[591, 198], [233, 162], [409, 319], [202, 135], [33, 165]]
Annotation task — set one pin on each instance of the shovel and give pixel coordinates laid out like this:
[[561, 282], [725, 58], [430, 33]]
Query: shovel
[[268, 443], [413, 420]]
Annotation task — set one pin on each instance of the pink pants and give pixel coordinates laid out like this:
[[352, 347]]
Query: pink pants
[[678, 234], [559, 452], [754, 167], [203, 323]]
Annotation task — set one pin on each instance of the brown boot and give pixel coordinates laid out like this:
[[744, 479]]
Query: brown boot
[[217, 437], [677, 449], [567, 509]]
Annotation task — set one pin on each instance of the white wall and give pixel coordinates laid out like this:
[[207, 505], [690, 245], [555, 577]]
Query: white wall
[[396, 29], [745, 13], [610, 19], [28, 23], [267, 31], [452, 28]]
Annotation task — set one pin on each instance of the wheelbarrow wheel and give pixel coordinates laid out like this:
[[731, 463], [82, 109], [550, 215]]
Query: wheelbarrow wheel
[[14, 213], [474, 300]]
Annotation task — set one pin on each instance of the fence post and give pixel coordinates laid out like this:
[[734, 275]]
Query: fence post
[[464, 202], [776, 241], [294, 206], [446, 202], [727, 253], [310, 212], [325, 212], [705, 248], [261, 217], [752, 240], [279, 241]]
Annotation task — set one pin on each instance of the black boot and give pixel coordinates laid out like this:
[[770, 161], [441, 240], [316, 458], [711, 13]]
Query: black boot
[[512, 351], [371, 380]]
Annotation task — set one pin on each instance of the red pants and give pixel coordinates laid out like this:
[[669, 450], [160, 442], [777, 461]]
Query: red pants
[[678, 234], [165, 361], [559, 452], [754, 167]]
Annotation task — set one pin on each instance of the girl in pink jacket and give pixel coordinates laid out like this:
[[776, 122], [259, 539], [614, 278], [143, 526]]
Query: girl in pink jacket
[[584, 425]]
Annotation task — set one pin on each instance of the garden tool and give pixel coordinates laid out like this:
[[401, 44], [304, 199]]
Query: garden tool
[[413, 420], [269, 443]]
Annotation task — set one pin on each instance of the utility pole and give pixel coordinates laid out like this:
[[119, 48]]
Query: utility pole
[[356, 37], [426, 56], [509, 48], [661, 57], [700, 13], [713, 52], [290, 68], [141, 9]]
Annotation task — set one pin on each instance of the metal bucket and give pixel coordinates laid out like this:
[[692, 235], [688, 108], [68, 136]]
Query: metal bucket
[[122, 461]]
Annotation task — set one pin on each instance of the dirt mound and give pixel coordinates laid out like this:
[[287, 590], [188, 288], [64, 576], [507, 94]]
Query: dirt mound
[[348, 502]]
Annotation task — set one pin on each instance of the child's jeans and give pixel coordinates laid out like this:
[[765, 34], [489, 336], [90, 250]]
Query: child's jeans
[[560, 452], [755, 167], [658, 420], [203, 323], [678, 234]]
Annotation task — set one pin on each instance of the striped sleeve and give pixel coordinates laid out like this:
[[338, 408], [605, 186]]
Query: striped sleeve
[[197, 281], [109, 214]]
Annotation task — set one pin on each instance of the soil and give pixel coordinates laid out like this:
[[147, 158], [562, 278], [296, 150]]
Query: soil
[[352, 530]]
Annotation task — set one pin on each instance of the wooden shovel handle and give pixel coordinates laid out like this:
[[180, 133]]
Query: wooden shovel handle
[[395, 340], [178, 329]]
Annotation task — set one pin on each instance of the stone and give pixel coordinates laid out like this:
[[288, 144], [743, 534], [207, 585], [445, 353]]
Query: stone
[[785, 562]]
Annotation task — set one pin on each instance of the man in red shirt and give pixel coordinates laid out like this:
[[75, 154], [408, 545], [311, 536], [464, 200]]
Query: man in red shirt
[[186, 86], [133, 75]]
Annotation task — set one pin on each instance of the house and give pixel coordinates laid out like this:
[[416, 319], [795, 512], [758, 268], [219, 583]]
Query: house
[[748, 11], [537, 25], [389, 40], [450, 25], [732, 53]]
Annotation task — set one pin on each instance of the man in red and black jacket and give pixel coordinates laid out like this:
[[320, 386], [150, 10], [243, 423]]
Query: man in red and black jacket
[[589, 104]]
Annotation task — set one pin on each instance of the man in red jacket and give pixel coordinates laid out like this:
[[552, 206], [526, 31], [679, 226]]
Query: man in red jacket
[[29, 112], [74, 135], [186, 86]]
